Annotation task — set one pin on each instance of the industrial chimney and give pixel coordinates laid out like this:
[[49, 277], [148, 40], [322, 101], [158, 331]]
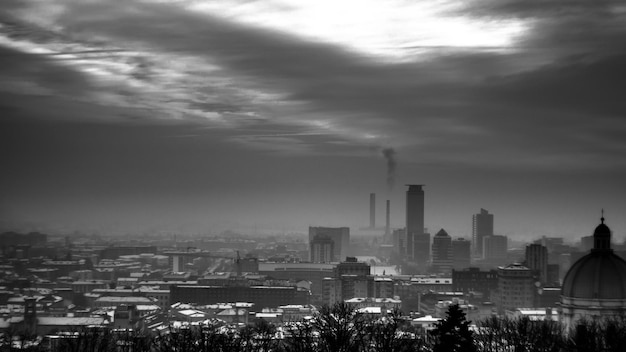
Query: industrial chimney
[[372, 210], [388, 220]]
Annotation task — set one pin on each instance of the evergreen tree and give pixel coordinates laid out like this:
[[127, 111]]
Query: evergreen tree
[[452, 334]]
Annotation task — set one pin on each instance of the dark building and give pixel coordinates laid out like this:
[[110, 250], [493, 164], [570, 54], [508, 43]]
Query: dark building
[[442, 252], [312, 272], [553, 275], [352, 267], [475, 280], [417, 241], [461, 254], [482, 226], [537, 260], [116, 252], [260, 296], [14, 239]]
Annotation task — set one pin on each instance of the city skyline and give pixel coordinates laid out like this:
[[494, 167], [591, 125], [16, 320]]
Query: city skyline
[[205, 116]]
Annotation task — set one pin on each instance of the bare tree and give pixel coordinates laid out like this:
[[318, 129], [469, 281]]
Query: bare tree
[[339, 328], [300, 337], [384, 334]]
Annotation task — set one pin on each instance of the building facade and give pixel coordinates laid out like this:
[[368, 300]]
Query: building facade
[[461, 254], [482, 226], [318, 240], [442, 252], [537, 260], [516, 287], [417, 241], [475, 280], [495, 248]]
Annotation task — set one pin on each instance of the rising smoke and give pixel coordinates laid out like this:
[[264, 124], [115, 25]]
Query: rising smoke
[[390, 157]]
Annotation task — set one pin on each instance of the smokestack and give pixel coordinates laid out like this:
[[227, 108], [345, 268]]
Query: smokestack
[[372, 210], [388, 221]]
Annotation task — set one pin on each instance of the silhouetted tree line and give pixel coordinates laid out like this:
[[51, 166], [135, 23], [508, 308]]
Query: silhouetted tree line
[[339, 328]]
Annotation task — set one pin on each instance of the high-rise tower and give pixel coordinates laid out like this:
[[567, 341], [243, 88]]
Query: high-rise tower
[[442, 252], [537, 260], [482, 226], [417, 242]]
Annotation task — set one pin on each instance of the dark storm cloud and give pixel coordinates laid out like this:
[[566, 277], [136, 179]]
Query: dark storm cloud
[[21, 69], [534, 100]]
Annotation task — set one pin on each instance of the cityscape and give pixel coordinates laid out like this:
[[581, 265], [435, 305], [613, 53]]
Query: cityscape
[[308, 176], [55, 285]]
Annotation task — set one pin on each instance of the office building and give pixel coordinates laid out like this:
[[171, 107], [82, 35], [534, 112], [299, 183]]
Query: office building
[[352, 267], [442, 252], [474, 280], [417, 241], [495, 248], [398, 237], [312, 272], [586, 243], [482, 226], [537, 260], [461, 254], [320, 248], [516, 287]]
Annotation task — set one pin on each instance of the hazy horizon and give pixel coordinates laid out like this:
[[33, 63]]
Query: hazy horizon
[[156, 115]]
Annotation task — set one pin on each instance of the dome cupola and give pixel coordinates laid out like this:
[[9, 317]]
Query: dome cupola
[[602, 237], [601, 274]]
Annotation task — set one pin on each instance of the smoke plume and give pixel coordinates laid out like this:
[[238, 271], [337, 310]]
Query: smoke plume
[[390, 157]]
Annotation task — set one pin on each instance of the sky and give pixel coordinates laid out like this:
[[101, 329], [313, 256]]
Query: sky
[[134, 116]]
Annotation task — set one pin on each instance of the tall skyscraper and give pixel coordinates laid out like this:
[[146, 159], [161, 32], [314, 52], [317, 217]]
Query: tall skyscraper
[[482, 226], [442, 252], [340, 237], [537, 260], [417, 241]]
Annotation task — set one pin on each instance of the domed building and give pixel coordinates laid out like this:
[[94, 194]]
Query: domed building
[[595, 286]]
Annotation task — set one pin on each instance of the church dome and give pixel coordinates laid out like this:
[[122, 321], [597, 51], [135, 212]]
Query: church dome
[[601, 274], [597, 275]]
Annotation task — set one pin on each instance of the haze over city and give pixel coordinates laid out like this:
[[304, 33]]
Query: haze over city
[[277, 115]]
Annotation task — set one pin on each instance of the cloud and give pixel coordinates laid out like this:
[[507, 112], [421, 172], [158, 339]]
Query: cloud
[[529, 102]]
